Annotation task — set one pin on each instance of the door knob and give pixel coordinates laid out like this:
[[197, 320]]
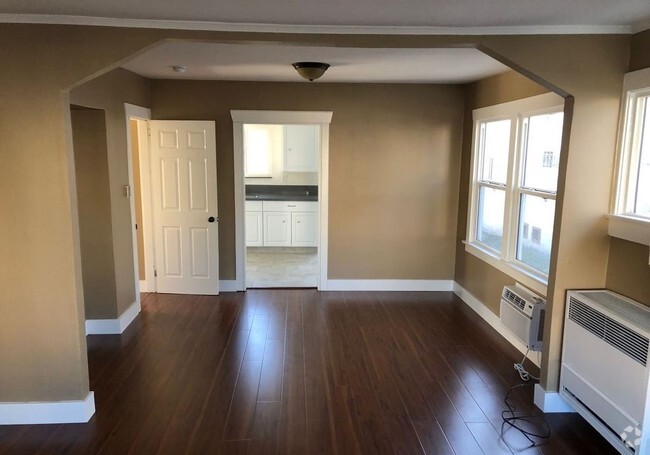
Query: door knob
[[211, 219]]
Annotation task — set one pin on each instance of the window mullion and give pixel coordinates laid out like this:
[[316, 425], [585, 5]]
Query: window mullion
[[511, 211]]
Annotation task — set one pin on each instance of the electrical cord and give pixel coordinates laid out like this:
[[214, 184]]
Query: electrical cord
[[543, 430], [523, 373]]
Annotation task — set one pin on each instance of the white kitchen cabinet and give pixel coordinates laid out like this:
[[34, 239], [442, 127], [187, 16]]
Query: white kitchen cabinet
[[304, 229], [301, 145], [281, 223], [254, 232], [277, 228]]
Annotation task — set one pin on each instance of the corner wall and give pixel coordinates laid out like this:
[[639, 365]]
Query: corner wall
[[475, 275], [628, 271], [109, 92], [95, 227]]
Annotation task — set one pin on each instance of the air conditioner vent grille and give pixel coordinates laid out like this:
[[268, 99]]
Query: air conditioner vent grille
[[622, 338], [514, 298]]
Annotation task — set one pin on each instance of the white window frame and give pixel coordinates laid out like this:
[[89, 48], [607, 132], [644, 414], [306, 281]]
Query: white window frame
[[623, 223], [505, 260]]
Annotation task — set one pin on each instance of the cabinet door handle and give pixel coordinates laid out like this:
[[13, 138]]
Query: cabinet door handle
[[290, 205]]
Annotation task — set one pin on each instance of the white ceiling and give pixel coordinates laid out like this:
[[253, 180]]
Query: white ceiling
[[262, 62], [357, 13]]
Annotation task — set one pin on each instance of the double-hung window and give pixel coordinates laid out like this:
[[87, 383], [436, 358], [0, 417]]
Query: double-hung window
[[516, 152], [631, 208]]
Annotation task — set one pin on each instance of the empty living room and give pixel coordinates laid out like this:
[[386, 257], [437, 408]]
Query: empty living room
[[344, 228]]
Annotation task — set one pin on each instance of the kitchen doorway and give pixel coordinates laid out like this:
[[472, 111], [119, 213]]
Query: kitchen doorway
[[280, 168]]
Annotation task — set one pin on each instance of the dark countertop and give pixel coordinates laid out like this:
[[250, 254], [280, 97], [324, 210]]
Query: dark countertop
[[281, 193]]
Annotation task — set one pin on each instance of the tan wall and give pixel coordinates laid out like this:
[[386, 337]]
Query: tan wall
[[628, 272], [94, 204], [640, 51], [393, 168], [475, 275], [109, 92], [42, 343], [137, 192]]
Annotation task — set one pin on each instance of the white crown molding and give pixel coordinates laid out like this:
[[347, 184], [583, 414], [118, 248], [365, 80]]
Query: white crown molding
[[48, 412], [53, 19]]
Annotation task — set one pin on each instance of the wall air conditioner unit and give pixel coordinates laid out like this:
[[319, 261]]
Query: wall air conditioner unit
[[604, 373], [522, 313]]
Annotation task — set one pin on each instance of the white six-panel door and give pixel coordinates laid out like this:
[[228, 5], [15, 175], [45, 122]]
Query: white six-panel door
[[184, 193]]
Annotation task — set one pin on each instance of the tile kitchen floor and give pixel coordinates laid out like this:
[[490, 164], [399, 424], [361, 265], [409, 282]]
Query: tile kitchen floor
[[268, 267]]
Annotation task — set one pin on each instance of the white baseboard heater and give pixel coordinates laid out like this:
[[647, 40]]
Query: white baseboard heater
[[604, 373]]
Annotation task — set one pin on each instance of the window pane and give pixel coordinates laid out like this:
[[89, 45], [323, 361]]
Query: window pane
[[543, 151], [535, 231], [257, 151], [489, 229], [495, 146], [642, 199]]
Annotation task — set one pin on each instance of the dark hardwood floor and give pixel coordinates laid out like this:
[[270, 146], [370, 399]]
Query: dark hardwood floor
[[298, 371]]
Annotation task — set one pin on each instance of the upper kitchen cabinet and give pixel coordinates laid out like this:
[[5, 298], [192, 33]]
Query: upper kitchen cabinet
[[301, 144]]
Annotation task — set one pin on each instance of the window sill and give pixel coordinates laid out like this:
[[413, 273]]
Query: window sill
[[629, 228], [534, 282]]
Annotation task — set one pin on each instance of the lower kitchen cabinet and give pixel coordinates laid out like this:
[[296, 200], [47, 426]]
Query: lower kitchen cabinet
[[281, 223], [304, 229], [254, 231], [277, 228]]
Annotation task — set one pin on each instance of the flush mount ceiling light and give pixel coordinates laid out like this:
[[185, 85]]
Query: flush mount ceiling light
[[179, 68], [310, 70]]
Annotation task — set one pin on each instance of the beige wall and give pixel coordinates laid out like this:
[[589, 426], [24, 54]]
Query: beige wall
[[42, 343], [475, 275], [628, 272], [640, 51], [137, 194], [109, 92], [393, 168], [94, 205]]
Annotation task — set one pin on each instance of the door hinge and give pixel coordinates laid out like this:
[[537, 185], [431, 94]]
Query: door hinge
[[136, 226], [155, 272]]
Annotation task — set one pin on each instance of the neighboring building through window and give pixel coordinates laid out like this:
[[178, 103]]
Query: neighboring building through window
[[633, 190], [516, 149]]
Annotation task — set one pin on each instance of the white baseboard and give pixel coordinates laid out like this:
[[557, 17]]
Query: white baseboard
[[113, 326], [143, 286], [230, 286], [492, 319], [48, 412], [550, 402], [387, 285]]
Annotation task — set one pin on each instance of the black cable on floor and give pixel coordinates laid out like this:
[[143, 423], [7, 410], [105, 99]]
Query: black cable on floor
[[515, 421]]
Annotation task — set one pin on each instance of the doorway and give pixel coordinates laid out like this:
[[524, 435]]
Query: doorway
[[281, 198], [172, 170]]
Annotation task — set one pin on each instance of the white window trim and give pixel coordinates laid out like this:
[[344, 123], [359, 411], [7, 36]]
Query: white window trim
[[506, 260], [622, 223]]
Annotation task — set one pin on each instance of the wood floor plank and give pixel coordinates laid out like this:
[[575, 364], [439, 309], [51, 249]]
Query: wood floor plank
[[303, 372]]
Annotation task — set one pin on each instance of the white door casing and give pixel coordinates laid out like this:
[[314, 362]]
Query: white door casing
[[184, 187], [323, 120]]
